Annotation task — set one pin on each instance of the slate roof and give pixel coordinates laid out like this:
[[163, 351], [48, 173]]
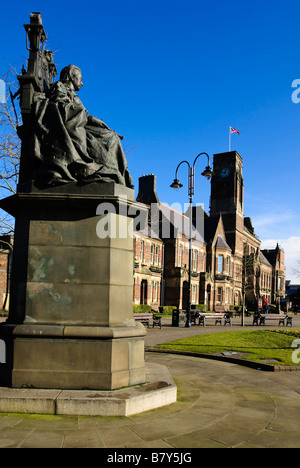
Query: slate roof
[[263, 259], [222, 243], [180, 222], [210, 227]]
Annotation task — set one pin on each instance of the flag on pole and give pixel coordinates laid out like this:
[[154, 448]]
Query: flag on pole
[[234, 130]]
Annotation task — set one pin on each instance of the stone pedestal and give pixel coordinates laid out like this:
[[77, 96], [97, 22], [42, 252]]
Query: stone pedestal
[[71, 322]]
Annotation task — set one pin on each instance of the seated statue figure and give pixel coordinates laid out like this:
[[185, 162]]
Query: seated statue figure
[[69, 144]]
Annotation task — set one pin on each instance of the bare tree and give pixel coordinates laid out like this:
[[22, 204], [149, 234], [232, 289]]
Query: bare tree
[[10, 146], [296, 271]]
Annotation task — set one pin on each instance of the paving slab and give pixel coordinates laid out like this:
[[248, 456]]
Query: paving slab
[[219, 405], [158, 390], [15, 400]]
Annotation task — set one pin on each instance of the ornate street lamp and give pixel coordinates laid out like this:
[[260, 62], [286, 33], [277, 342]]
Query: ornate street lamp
[[208, 173]]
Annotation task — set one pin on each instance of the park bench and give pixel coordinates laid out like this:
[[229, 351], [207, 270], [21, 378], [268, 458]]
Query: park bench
[[220, 309], [146, 318], [156, 320], [143, 318], [218, 317], [283, 319], [194, 314], [238, 313]]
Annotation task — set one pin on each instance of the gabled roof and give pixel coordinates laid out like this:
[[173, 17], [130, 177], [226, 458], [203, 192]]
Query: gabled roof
[[210, 228], [180, 222], [248, 226], [148, 233], [221, 243], [214, 231], [263, 259], [271, 255]]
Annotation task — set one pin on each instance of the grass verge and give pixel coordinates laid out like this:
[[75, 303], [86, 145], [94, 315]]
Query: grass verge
[[254, 346]]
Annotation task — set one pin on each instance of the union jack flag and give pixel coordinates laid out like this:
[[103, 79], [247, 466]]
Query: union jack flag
[[234, 130]]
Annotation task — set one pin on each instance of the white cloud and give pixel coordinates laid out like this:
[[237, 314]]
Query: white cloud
[[291, 247], [279, 221], [278, 226]]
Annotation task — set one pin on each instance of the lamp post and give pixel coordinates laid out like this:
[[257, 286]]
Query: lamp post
[[208, 173]]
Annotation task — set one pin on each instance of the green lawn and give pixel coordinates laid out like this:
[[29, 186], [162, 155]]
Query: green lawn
[[258, 345]]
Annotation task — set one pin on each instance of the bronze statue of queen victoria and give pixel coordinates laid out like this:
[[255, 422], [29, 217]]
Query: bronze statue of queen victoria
[[71, 145], [61, 142]]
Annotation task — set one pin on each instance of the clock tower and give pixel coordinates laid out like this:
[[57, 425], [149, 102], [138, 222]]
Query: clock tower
[[227, 194]]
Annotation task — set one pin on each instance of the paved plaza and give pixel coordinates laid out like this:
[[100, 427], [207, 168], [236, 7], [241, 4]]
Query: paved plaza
[[220, 405]]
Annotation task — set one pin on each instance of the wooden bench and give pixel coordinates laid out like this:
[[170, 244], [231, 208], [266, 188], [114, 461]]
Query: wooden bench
[[219, 310], [194, 314], [260, 319], [146, 318], [143, 318], [156, 320], [218, 317]]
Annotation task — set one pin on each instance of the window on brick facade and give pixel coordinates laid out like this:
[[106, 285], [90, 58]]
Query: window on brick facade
[[227, 265], [156, 292], [152, 255], [180, 250], [142, 251], [220, 264], [227, 296], [194, 293], [156, 255], [195, 258], [220, 294]]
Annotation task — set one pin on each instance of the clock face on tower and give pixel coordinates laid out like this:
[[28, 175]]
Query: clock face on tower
[[224, 172], [227, 188]]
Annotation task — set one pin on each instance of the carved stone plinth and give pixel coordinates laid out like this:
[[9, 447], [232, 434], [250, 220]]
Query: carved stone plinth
[[71, 320]]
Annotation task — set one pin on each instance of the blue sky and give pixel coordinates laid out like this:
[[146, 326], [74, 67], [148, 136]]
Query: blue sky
[[172, 76]]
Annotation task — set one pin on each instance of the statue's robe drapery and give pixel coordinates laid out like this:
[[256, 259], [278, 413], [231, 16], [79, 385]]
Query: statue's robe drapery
[[70, 145]]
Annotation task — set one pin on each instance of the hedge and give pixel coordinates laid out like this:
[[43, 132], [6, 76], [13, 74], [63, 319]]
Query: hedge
[[202, 307], [167, 310], [144, 309], [141, 309]]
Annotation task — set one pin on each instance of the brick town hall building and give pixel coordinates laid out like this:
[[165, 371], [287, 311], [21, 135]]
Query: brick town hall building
[[225, 255]]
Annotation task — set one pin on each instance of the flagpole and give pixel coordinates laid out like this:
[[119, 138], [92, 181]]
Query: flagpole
[[232, 130]]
